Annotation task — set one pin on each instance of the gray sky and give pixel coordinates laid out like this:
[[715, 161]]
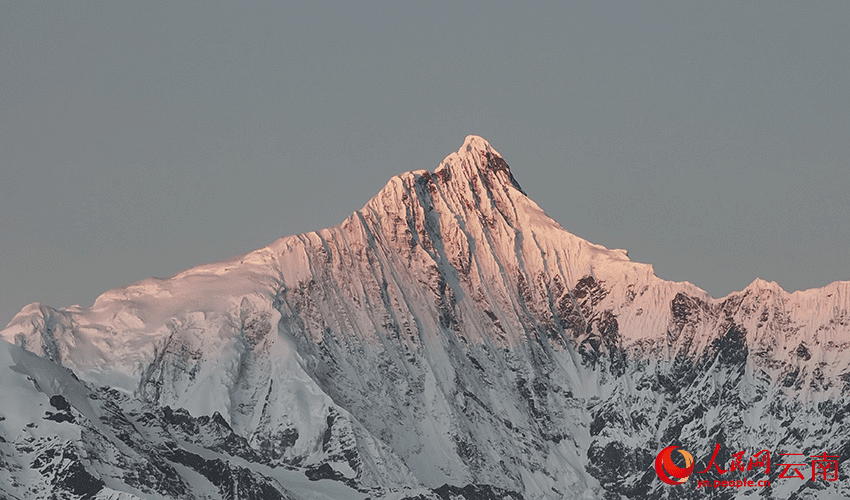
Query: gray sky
[[137, 139]]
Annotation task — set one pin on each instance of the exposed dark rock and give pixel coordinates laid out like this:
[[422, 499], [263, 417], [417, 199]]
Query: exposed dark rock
[[475, 492]]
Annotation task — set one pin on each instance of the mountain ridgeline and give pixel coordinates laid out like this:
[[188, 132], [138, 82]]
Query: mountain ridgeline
[[447, 341]]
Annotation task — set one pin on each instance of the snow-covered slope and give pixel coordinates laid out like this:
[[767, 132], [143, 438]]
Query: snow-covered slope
[[451, 339]]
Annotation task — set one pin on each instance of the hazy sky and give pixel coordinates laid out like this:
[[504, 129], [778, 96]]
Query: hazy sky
[[137, 139]]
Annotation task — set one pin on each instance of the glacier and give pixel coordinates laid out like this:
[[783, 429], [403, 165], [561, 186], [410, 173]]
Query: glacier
[[448, 340]]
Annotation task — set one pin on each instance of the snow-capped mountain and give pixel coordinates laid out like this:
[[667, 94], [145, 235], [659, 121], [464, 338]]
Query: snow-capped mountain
[[448, 340]]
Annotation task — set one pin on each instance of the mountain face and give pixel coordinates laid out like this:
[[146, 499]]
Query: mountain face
[[447, 341]]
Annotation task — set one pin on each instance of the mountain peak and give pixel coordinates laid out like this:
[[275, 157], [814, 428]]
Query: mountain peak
[[476, 157], [477, 142], [451, 318]]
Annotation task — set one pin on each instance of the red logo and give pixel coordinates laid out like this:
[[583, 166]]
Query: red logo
[[669, 472]]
